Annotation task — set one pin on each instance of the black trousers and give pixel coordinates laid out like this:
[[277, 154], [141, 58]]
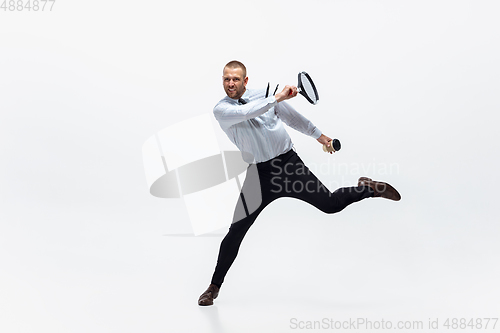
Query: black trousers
[[283, 176]]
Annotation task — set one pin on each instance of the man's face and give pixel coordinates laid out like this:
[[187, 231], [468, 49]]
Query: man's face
[[234, 82]]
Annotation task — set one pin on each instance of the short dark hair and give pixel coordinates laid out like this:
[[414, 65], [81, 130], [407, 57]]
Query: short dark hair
[[237, 64]]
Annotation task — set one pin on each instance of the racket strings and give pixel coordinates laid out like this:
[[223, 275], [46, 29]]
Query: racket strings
[[308, 88]]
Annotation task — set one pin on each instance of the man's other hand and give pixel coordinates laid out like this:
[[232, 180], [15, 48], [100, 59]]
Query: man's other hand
[[324, 140]]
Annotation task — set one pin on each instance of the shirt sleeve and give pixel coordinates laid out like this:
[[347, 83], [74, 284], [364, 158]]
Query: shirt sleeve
[[295, 120], [228, 114]]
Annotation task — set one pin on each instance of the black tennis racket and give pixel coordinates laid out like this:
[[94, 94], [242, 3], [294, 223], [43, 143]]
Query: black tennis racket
[[306, 88]]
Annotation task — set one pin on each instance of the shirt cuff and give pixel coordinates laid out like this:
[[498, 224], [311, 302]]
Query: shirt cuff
[[272, 100], [316, 133]]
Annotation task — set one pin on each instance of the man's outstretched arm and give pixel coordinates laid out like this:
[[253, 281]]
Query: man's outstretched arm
[[229, 114], [295, 120]]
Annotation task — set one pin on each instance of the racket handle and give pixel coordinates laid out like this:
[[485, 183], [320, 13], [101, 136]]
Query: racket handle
[[298, 90]]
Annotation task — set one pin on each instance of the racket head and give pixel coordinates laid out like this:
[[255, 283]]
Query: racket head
[[307, 88]]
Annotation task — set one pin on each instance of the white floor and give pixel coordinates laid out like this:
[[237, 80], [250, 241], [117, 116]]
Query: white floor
[[376, 261]]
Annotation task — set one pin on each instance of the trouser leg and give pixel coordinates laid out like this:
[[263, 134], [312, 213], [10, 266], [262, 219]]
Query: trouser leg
[[230, 245], [250, 204], [297, 181], [288, 177]]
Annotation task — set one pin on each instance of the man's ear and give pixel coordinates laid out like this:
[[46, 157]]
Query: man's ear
[[245, 81]]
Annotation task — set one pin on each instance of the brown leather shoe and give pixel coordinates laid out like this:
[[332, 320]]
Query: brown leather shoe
[[381, 189], [207, 298]]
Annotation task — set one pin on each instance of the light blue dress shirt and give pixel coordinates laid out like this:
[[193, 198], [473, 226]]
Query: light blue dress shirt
[[256, 127]]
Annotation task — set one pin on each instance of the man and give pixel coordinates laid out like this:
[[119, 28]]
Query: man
[[254, 123]]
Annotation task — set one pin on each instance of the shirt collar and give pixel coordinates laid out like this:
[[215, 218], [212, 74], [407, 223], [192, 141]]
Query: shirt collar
[[245, 96]]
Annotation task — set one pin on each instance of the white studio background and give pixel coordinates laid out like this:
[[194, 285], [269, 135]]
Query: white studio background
[[409, 87]]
